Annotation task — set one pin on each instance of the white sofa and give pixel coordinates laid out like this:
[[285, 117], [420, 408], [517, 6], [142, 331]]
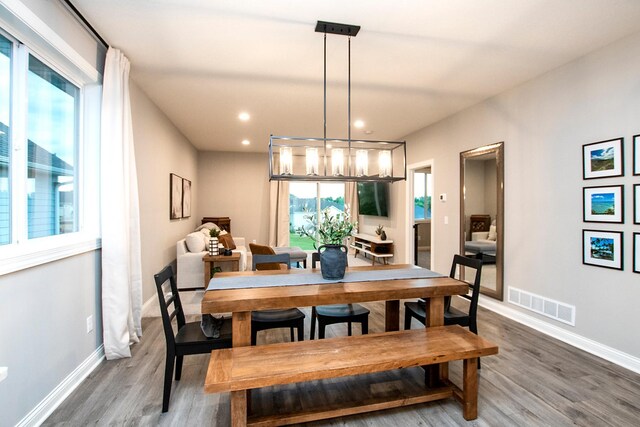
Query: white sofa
[[190, 272]]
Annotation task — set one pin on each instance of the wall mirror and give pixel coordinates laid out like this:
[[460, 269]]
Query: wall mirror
[[482, 214]]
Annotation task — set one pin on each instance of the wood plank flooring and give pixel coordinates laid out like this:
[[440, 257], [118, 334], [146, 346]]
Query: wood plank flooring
[[534, 381]]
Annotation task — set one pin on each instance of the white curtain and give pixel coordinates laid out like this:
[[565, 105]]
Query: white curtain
[[279, 214], [121, 270], [351, 199]]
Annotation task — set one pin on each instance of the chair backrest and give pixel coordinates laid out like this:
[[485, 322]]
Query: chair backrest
[[315, 258], [473, 263], [262, 260], [166, 300], [263, 250]]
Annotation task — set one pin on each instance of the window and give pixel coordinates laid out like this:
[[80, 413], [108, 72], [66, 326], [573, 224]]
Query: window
[[44, 150], [5, 109], [52, 135], [422, 195], [305, 199]]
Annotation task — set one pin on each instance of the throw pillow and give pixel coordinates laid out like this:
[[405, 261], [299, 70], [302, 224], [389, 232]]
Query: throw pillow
[[208, 226], [195, 242], [227, 241], [493, 235]]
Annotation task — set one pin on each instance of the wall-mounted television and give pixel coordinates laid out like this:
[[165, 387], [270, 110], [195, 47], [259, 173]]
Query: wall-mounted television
[[373, 198]]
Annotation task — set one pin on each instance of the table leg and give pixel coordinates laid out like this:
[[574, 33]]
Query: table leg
[[434, 311], [392, 316], [241, 337], [207, 273]]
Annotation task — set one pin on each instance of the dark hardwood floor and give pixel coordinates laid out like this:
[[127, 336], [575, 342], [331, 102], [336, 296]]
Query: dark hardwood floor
[[534, 381]]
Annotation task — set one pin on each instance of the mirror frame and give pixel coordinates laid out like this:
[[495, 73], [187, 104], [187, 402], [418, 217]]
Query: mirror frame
[[498, 149]]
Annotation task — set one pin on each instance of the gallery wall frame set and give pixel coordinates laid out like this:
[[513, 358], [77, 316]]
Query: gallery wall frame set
[[179, 197], [603, 159], [602, 248]]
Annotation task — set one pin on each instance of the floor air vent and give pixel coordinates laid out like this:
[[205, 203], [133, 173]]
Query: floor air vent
[[559, 311]]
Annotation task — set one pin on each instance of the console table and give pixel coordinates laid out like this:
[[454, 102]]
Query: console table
[[372, 245]]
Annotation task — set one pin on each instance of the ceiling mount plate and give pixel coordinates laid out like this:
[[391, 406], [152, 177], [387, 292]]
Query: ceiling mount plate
[[335, 28]]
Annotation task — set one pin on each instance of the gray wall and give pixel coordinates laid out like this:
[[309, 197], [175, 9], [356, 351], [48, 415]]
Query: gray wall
[[160, 150], [544, 124], [43, 329]]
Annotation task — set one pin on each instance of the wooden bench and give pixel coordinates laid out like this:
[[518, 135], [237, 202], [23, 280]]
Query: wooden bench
[[244, 368]]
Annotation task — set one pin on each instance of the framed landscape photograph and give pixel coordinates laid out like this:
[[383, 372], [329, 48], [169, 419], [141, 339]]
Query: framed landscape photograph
[[603, 204], [636, 154], [636, 252], [602, 248], [603, 159], [186, 198], [175, 196], [636, 204]]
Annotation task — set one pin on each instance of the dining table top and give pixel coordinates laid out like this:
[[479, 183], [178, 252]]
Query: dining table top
[[277, 297]]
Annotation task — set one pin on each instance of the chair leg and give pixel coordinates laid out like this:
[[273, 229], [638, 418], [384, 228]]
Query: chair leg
[[291, 334], [321, 327], [407, 319], [254, 336], [365, 325], [301, 330], [168, 374], [349, 328], [313, 323], [179, 367]]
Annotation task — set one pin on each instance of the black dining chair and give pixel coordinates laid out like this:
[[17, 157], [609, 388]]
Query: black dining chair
[[189, 338], [452, 316], [261, 320], [336, 313]]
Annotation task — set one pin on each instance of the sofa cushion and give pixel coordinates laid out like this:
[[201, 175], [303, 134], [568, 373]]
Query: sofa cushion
[[208, 226], [493, 235], [195, 242], [227, 241]]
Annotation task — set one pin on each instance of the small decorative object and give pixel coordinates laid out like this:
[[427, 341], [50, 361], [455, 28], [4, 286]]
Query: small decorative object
[[175, 196], [213, 242], [186, 198], [380, 232], [636, 204], [602, 248], [603, 204], [636, 154], [603, 159], [227, 252], [636, 252], [330, 229]]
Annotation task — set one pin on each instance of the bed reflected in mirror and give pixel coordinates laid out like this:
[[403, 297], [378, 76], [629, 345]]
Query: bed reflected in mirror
[[482, 214]]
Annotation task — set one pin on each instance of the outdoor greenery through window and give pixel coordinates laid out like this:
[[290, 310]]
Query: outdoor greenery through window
[[422, 195], [307, 198]]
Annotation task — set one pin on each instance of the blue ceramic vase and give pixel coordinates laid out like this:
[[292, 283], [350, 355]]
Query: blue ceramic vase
[[333, 261]]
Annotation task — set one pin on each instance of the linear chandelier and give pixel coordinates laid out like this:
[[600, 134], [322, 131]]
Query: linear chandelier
[[336, 159]]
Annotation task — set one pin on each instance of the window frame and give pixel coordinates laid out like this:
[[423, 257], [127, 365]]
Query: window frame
[[31, 36]]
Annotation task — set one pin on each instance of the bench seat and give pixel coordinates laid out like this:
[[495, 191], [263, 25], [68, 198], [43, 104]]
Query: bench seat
[[245, 368]]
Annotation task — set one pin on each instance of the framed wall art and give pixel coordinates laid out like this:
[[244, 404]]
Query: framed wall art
[[175, 196], [636, 154], [603, 159], [186, 198], [636, 204], [602, 248], [636, 252], [603, 204]]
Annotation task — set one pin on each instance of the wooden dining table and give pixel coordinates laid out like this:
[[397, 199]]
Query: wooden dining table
[[241, 302]]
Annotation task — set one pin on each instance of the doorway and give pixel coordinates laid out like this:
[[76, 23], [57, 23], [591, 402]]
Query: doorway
[[419, 214]]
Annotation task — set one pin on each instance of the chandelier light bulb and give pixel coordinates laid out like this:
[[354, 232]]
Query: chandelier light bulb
[[362, 163], [286, 161], [337, 162], [312, 161]]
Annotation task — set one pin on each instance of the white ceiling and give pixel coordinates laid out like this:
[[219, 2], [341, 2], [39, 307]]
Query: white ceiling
[[414, 62]]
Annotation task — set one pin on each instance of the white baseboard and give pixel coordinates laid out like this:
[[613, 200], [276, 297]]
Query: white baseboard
[[41, 412], [149, 304], [608, 353]]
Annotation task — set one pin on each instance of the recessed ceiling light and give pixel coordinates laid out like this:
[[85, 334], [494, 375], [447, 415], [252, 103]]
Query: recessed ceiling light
[[246, 142], [358, 124], [244, 116]]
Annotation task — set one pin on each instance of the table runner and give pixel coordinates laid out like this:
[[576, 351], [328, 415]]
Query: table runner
[[315, 278]]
